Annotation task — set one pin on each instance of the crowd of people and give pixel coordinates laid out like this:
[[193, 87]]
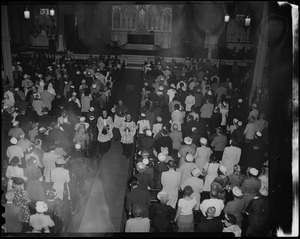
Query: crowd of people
[[202, 149], [55, 127]]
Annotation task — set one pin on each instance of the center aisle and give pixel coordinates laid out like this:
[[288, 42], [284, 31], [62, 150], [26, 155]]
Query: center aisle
[[104, 204]]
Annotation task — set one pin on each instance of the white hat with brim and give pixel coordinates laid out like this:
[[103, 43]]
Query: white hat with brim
[[148, 132], [145, 161], [162, 195], [92, 109], [91, 117], [264, 192], [94, 86], [140, 166], [240, 101], [240, 123], [235, 120], [189, 158], [15, 123], [196, 172], [203, 141], [60, 160], [209, 92], [82, 119], [161, 157], [83, 81], [253, 171], [41, 207], [77, 146], [161, 88], [143, 115], [223, 169], [188, 140], [237, 192], [13, 140], [258, 134], [42, 130], [158, 119]]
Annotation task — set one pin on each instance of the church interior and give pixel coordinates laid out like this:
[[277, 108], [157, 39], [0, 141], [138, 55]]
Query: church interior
[[67, 65]]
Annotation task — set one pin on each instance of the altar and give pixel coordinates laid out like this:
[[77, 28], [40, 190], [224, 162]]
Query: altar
[[142, 25]]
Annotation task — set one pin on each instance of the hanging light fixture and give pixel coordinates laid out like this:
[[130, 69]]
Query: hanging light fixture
[[247, 21], [26, 14], [226, 18], [52, 12]]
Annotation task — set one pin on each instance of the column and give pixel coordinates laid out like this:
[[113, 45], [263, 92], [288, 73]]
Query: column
[[6, 51], [260, 55]]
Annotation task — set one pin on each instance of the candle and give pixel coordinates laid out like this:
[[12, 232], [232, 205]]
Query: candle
[[247, 21]]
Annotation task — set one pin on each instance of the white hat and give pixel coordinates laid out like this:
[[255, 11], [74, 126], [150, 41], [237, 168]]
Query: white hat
[[77, 146], [145, 161], [203, 141], [74, 93], [240, 123], [82, 119], [91, 117], [254, 105], [77, 72], [173, 85], [165, 150], [158, 119], [37, 96], [223, 169], [253, 171], [13, 140], [189, 157], [146, 84], [94, 86], [263, 191], [161, 157], [188, 140], [224, 103], [163, 195], [72, 88], [143, 115], [209, 92], [60, 160], [92, 109], [194, 128], [161, 88], [83, 81], [148, 132], [196, 172], [16, 89], [25, 76], [15, 123], [41, 207], [237, 192], [235, 120], [258, 134], [42, 129], [240, 100], [140, 165]]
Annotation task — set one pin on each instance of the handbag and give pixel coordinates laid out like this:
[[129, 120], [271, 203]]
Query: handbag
[[174, 226]]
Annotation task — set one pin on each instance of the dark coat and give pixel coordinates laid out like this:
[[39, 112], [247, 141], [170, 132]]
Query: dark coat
[[161, 215], [138, 196]]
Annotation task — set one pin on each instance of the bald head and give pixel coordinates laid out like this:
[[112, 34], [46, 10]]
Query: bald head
[[210, 212]]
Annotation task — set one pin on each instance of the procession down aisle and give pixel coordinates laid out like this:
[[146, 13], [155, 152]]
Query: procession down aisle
[[101, 209]]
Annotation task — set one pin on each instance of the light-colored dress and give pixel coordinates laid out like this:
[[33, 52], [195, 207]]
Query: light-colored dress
[[212, 173], [231, 156], [202, 156], [197, 185], [13, 171], [59, 176]]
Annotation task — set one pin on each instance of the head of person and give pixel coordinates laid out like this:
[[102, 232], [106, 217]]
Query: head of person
[[133, 181], [236, 169], [171, 164], [51, 194], [253, 172], [203, 141], [104, 114], [18, 182], [233, 142], [213, 158], [176, 106], [210, 212], [32, 162], [219, 130], [120, 102], [41, 207], [229, 220], [163, 197], [187, 191], [175, 127], [14, 161], [128, 117], [263, 193], [237, 192], [222, 170], [137, 210], [10, 195]]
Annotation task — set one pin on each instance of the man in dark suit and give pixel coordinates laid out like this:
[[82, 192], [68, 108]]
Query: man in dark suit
[[137, 195]]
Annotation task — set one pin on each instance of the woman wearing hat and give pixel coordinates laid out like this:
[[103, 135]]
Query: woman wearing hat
[[184, 215], [162, 214], [231, 156], [202, 154], [13, 170], [160, 167], [251, 186], [39, 220], [145, 180], [105, 132], [187, 148], [236, 206], [185, 168], [230, 225], [21, 200], [210, 172], [196, 183], [60, 176], [34, 177], [14, 150], [220, 183]]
